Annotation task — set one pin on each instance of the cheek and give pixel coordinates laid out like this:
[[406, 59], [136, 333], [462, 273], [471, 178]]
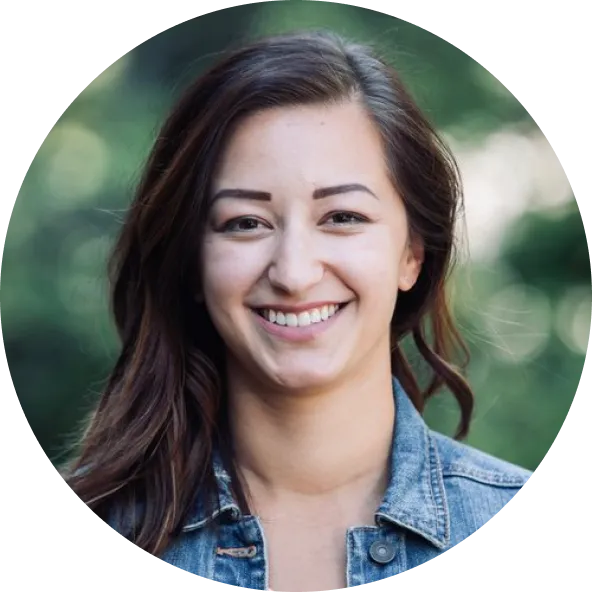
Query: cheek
[[372, 264], [230, 270]]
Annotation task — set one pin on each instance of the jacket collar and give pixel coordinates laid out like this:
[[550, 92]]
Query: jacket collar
[[414, 498]]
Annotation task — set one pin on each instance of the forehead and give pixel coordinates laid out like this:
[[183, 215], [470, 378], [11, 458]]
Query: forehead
[[315, 143]]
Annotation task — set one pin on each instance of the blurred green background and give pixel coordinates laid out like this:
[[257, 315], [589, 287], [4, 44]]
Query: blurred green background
[[522, 293]]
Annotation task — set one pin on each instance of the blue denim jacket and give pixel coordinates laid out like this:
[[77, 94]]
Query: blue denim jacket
[[440, 491]]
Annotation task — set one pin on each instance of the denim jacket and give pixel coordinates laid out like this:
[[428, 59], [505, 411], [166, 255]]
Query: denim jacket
[[439, 492]]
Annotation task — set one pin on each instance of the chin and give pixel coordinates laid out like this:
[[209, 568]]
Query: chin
[[298, 378]]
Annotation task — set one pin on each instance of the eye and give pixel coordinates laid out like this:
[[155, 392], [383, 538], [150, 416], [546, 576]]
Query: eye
[[345, 218], [243, 224]]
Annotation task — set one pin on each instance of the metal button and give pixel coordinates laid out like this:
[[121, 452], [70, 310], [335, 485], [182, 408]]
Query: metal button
[[382, 551]]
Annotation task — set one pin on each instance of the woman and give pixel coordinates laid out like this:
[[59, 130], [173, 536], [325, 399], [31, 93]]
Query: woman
[[262, 424]]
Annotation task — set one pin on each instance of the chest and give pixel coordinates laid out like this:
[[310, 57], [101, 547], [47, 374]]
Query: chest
[[305, 556], [312, 535]]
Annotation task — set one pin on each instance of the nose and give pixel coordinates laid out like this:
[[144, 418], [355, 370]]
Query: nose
[[297, 264]]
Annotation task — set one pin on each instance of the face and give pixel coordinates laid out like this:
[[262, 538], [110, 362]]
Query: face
[[306, 247]]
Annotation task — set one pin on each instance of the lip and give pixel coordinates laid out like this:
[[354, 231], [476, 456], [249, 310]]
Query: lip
[[298, 334], [296, 308]]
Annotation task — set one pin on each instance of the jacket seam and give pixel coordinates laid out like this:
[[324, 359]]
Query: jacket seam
[[441, 503], [486, 479], [438, 502]]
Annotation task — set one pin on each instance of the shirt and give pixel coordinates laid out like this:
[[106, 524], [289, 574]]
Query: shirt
[[439, 492]]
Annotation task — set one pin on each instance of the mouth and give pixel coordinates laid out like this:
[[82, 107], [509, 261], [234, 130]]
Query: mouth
[[306, 318], [299, 327]]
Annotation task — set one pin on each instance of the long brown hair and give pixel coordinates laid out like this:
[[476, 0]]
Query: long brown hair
[[162, 414]]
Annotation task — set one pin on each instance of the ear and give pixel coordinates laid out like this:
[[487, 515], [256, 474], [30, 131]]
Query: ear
[[411, 263]]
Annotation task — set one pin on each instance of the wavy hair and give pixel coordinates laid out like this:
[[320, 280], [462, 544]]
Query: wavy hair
[[151, 437]]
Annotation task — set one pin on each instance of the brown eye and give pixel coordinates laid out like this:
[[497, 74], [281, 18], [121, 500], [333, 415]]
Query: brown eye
[[345, 218], [244, 224]]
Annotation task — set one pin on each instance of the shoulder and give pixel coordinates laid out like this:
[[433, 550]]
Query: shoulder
[[461, 461], [476, 485]]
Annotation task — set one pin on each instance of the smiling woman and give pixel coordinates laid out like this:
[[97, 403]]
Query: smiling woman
[[294, 223]]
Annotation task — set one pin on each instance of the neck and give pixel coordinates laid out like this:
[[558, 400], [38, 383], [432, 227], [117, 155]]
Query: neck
[[313, 446]]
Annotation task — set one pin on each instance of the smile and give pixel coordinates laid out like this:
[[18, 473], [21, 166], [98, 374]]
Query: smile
[[301, 319], [300, 326]]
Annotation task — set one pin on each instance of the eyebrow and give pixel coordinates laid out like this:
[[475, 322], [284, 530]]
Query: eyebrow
[[319, 193]]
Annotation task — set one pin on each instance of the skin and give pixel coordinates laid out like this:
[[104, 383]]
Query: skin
[[312, 420]]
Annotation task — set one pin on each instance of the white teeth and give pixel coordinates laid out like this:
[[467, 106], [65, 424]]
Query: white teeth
[[303, 319]]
